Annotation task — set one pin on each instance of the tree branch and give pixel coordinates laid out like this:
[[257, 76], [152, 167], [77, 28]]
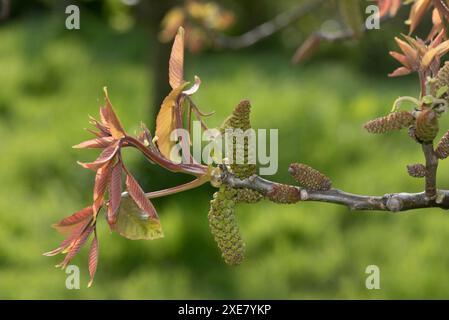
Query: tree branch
[[266, 29], [393, 202]]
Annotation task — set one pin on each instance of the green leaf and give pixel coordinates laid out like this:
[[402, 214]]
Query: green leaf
[[133, 223]]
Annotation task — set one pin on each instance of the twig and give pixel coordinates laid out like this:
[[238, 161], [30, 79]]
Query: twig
[[431, 169], [393, 202], [266, 29]]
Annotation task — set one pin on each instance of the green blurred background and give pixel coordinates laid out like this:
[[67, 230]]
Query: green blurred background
[[51, 80]]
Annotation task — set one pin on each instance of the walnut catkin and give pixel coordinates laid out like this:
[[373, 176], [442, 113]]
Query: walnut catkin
[[224, 228], [309, 178], [442, 149], [245, 195], [282, 193], [394, 121], [417, 170], [442, 78], [239, 119]]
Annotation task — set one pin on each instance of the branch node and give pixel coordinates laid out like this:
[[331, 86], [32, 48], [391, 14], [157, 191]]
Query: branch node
[[394, 204]]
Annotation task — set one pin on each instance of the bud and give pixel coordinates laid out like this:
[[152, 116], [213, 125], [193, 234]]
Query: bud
[[394, 121], [426, 128], [442, 150], [309, 178], [285, 194], [224, 228], [417, 170]]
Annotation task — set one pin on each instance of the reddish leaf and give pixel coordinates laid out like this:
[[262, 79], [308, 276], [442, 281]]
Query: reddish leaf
[[107, 154], [115, 193], [111, 118], [93, 258], [138, 195], [76, 232], [101, 182], [75, 218], [176, 63], [95, 143], [69, 223], [76, 245]]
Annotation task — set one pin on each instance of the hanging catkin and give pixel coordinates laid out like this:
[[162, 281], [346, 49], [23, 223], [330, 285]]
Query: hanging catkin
[[224, 228]]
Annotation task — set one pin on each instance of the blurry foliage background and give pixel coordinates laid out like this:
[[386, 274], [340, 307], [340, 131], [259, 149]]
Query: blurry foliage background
[[51, 80]]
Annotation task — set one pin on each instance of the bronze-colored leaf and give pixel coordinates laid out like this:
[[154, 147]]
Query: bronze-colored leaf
[[166, 122], [101, 182], [100, 142], [111, 118], [107, 154], [115, 192], [138, 195], [417, 12], [93, 259], [76, 245], [75, 233], [176, 63], [75, 218]]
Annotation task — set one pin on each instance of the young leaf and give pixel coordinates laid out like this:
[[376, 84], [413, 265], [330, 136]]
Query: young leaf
[[115, 192], [76, 246], [176, 63], [101, 182], [138, 195], [166, 122], [75, 218], [100, 142], [75, 233], [111, 119], [93, 259], [107, 154], [134, 224]]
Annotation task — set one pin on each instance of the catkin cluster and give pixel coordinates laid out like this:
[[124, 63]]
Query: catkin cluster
[[224, 228]]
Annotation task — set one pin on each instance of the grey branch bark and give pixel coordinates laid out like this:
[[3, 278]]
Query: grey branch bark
[[394, 202], [268, 28]]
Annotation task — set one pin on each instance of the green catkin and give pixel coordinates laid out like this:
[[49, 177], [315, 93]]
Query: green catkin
[[309, 178], [416, 170], [393, 121], [245, 195], [224, 228], [239, 119], [442, 149]]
